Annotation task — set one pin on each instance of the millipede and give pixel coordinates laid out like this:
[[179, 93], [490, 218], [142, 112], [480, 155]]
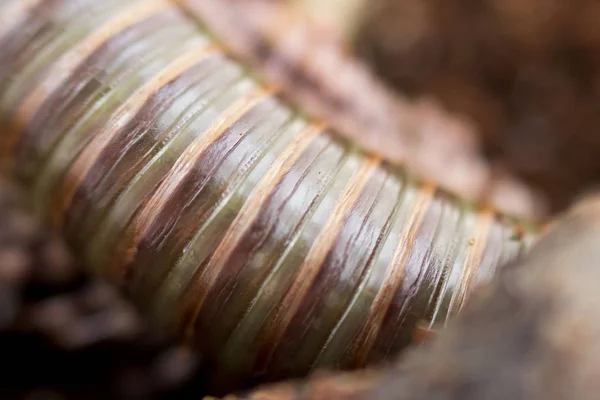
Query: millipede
[[266, 240]]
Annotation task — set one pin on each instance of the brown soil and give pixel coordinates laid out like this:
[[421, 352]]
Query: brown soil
[[525, 71]]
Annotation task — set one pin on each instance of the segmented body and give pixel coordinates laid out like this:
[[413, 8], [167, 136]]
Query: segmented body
[[270, 242]]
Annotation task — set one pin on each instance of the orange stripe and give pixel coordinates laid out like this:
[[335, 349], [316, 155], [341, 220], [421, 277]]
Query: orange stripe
[[88, 157], [183, 166], [248, 213], [477, 245], [393, 276], [314, 260], [12, 14], [68, 62]]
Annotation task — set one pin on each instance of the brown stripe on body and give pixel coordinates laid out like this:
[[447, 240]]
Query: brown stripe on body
[[217, 93], [210, 280], [104, 69], [62, 68], [447, 248], [394, 276], [280, 41], [225, 177], [276, 243], [60, 29], [405, 313], [477, 244], [330, 294], [207, 200], [21, 43], [105, 103], [410, 303], [21, 46], [440, 310], [281, 317], [132, 148], [348, 325], [90, 154], [145, 218]]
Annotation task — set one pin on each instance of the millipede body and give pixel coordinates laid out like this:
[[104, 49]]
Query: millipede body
[[266, 240]]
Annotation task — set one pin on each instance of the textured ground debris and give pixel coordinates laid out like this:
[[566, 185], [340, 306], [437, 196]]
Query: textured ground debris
[[63, 335]]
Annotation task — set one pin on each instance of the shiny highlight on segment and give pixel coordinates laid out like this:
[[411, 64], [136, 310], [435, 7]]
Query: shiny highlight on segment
[[269, 242]]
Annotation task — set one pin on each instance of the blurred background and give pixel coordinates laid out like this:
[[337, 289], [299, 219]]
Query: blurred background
[[525, 73]]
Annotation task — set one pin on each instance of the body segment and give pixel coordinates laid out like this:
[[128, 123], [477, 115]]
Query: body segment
[[270, 242]]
